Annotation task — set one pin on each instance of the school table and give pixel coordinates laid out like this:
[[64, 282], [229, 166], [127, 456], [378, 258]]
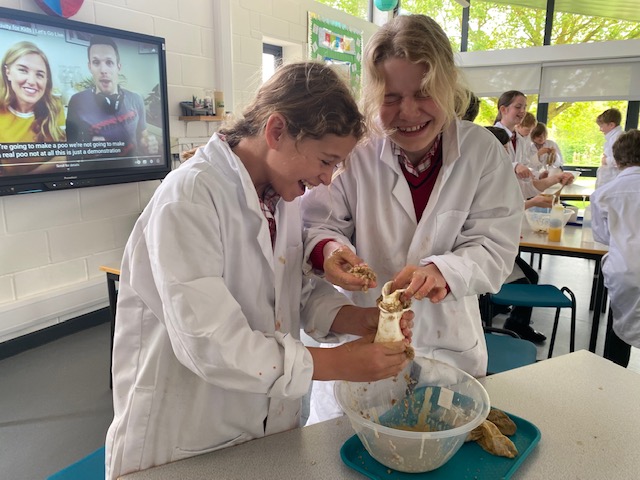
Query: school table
[[113, 275], [572, 245], [583, 405]]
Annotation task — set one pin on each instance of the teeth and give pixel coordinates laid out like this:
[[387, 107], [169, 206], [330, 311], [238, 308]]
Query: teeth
[[411, 129], [306, 184]]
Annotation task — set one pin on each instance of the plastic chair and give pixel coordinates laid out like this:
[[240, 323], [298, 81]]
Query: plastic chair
[[507, 350], [90, 467], [528, 295]]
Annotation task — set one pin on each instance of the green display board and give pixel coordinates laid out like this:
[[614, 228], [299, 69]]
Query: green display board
[[339, 46]]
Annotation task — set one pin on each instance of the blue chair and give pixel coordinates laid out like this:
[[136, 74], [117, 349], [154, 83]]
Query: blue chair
[[528, 295], [507, 350], [90, 467]]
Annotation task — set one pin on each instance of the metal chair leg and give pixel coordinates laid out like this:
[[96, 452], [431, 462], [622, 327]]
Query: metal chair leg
[[554, 332]]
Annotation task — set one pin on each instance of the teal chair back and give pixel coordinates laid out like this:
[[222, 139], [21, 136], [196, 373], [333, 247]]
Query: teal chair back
[[506, 350], [531, 295], [90, 467]]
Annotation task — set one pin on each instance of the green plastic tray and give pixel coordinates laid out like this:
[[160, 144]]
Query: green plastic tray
[[470, 462]]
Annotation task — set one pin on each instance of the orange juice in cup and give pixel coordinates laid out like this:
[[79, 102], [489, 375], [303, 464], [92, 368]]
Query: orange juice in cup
[[555, 223], [555, 233]]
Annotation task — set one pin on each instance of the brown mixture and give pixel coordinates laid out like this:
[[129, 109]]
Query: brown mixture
[[363, 271]]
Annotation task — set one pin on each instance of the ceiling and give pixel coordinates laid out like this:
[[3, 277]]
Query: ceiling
[[617, 9]]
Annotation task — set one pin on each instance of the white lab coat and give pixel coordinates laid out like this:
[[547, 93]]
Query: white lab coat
[[207, 351], [609, 170], [470, 229], [538, 162], [521, 152], [615, 222]]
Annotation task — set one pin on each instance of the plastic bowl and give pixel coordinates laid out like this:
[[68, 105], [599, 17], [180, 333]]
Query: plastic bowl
[[415, 422], [538, 218]]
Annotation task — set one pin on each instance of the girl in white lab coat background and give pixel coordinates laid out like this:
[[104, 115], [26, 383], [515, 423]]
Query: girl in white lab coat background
[[212, 295], [544, 153], [616, 223], [609, 124], [430, 202], [526, 125], [512, 107]]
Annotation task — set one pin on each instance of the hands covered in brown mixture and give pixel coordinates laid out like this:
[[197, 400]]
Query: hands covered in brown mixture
[[362, 360], [421, 282], [345, 269]]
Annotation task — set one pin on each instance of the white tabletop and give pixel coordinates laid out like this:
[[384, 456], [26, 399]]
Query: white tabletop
[[571, 241], [586, 407]]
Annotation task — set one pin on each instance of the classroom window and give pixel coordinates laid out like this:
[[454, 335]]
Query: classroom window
[[572, 125], [357, 8], [271, 59], [497, 26], [447, 13], [595, 22]]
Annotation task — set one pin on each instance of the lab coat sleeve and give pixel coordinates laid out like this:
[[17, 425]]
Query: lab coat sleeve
[[484, 251], [326, 216], [208, 331], [599, 220], [321, 303]]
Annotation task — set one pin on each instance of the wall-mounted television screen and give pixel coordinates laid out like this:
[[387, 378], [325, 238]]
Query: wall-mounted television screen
[[80, 105]]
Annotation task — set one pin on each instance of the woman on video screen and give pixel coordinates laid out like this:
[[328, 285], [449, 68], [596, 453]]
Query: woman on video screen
[[29, 113]]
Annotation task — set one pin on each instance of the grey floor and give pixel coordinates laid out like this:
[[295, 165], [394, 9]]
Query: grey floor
[[55, 402]]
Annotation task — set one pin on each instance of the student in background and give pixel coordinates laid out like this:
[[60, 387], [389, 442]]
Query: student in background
[[512, 107], [616, 223], [609, 123], [473, 109], [106, 111], [544, 153], [429, 201], [207, 351], [526, 125], [29, 113], [519, 320], [532, 187]]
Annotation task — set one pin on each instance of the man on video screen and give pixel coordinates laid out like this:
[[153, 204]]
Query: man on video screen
[[107, 112]]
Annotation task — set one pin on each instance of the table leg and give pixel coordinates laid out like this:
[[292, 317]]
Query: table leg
[[594, 285], [113, 299], [598, 300]]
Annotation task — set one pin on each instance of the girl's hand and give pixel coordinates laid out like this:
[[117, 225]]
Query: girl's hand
[[338, 260], [523, 172], [421, 282], [359, 361]]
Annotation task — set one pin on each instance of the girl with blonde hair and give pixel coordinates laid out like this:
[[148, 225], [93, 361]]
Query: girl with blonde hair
[[430, 202], [28, 110]]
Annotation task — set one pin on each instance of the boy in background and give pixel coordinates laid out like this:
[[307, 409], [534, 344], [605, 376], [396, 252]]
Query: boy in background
[[609, 123], [616, 223]]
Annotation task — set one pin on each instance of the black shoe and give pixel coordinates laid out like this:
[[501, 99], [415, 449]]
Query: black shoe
[[501, 309], [526, 332]]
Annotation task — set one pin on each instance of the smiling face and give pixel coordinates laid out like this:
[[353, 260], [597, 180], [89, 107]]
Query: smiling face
[[413, 115], [513, 113], [311, 162], [28, 78], [104, 67]]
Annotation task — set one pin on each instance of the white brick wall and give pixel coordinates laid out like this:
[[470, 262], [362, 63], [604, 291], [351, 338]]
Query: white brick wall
[[51, 244], [283, 22]]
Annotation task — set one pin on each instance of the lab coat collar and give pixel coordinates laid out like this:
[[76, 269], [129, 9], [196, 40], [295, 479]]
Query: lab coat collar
[[635, 170], [251, 196]]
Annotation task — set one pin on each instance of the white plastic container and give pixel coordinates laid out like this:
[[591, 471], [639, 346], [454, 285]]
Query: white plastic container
[[587, 233], [390, 416]]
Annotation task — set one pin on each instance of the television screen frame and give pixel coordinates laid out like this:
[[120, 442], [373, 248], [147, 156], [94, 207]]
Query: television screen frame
[[48, 165]]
